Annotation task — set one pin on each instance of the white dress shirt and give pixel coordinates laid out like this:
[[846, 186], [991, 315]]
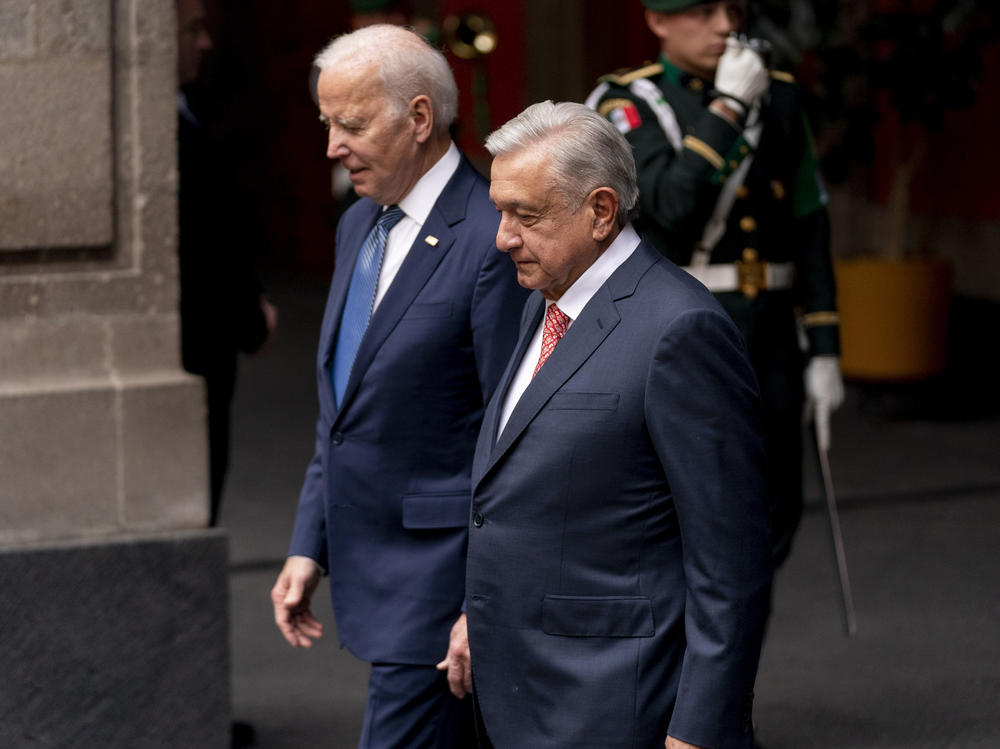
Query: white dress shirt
[[572, 302], [416, 207]]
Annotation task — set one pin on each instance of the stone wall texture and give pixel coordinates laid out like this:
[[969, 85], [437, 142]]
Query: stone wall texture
[[102, 432], [113, 598], [116, 645]]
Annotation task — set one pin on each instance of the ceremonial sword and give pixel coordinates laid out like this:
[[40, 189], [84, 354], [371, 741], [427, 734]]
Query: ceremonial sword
[[838, 537]]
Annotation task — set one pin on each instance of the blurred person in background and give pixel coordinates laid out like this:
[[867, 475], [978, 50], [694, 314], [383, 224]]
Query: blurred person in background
[[729, 188], [223, 310]]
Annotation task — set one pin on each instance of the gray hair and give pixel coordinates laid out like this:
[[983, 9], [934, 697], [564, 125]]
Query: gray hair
[[588, 153], [406, 63]]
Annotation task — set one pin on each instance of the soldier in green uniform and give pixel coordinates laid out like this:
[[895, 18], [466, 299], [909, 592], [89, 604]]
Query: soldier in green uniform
[[729, 189]]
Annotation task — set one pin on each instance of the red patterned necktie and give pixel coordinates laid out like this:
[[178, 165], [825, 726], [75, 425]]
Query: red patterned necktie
[[556, 323]]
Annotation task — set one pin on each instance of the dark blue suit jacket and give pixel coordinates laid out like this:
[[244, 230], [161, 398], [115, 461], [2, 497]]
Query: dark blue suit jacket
[[385, 504], [619, 558]]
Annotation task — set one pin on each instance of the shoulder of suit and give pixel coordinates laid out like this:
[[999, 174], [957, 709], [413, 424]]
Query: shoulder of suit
[[625, 76]]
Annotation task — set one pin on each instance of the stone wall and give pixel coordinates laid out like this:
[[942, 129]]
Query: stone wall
[[113, 596], [102, 432]]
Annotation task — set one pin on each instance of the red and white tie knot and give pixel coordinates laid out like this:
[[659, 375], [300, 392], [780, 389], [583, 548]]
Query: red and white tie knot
[[556, 324]]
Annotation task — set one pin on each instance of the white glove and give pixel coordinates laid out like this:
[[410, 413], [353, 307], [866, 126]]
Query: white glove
[[824, 394], [741, 76]]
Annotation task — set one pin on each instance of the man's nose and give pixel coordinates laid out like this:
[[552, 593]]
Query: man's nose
[[335, 148], [507, 238], [725, 20]]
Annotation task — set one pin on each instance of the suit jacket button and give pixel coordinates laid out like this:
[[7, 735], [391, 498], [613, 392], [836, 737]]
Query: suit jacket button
[[477, 520], [337, 438]]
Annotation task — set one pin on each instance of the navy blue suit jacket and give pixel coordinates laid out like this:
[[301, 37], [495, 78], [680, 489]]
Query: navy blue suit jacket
[[385, 503], [619, 559]]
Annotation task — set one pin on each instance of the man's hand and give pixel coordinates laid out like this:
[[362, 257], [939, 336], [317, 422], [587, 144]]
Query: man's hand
[[457, 662], [291, 595], [741, 76], [824, 394], [673, 743]]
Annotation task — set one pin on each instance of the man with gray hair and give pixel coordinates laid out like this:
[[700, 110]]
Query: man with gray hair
[[619, 560], [419, 323]]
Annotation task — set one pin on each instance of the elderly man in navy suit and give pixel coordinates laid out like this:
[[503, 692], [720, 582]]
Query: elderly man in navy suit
[[420, 321], [619, 559]]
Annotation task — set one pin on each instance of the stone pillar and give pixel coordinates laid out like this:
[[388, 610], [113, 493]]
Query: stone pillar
[[103, 451]]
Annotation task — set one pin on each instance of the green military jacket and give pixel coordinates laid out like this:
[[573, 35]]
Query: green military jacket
[[778, 215]]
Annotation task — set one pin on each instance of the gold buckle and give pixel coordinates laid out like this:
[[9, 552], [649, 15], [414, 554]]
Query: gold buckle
[[750, 274]]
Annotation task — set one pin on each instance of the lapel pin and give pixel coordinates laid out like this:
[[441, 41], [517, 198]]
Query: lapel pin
[[431, 240]]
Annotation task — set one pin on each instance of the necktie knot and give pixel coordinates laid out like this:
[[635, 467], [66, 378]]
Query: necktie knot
[[555, 327], [389, 218]]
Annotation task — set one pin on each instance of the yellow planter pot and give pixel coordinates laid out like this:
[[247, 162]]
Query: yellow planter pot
[[893, 317]]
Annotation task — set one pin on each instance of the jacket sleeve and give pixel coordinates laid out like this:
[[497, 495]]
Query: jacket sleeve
[[309, 532], [703, 412], [815, 286]]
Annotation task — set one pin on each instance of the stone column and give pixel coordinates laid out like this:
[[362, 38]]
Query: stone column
[[113, 604]]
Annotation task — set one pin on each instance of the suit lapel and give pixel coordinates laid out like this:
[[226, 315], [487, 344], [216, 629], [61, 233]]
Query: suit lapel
[[534, 308], [599, 317], [421, 261]]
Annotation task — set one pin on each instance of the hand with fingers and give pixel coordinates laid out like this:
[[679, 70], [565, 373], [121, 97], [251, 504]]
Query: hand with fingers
[[291, 595], [824, 395], [741, 78], [457, 662]]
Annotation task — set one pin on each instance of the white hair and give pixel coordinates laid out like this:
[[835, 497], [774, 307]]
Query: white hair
[[589, 152], [406, 63]]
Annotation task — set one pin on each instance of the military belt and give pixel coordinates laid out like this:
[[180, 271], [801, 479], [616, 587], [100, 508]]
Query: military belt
[[749, 277]]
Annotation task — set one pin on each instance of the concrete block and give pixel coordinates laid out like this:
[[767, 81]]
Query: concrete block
[[18, 29], [39, 350], [74, 27], [117, 643], [143, 343], [58, 461], [56, 171], [164, 455]]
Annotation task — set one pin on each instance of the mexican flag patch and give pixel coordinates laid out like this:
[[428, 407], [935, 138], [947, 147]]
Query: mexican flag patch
[[625, 117]]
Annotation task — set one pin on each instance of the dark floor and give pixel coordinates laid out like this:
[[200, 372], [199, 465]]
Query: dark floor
[[919, 492]]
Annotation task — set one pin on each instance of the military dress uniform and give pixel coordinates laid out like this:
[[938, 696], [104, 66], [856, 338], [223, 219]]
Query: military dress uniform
[[768, 259]]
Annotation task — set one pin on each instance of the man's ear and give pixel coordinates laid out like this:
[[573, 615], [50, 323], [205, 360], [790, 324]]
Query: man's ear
[[422, 114], [655, 22], [604, 204]]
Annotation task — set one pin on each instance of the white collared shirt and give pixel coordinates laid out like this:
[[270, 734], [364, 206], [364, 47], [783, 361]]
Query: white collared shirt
[[572, 302], [416, 207]]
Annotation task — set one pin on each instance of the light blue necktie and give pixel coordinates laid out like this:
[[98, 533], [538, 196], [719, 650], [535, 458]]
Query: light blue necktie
[[360, 299]]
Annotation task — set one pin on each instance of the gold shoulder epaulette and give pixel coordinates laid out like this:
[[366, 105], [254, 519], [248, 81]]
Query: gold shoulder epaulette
[[623, 79], [609, 104], [780, 75]]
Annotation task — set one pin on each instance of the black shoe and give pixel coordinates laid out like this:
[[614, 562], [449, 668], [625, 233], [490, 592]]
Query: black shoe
[[242, 735]]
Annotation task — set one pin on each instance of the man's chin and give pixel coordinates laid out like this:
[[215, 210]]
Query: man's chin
[[364, 190]]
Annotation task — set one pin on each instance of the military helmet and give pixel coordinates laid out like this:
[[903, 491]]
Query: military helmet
[[671, 6], [363, 6]]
